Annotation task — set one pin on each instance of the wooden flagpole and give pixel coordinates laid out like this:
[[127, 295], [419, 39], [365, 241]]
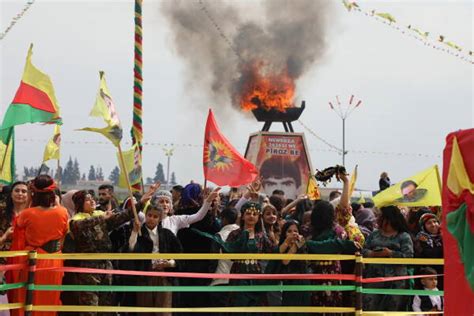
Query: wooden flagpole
[[130, 193]]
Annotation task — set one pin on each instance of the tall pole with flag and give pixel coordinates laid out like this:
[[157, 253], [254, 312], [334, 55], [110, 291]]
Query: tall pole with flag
[[137, 129], [104, 107]]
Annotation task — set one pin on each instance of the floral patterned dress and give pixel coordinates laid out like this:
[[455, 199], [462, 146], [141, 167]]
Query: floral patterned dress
[[327, 298], [401, 246]]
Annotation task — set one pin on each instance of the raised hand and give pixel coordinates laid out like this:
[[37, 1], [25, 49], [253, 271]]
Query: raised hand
[[213, 195], [151, 190]]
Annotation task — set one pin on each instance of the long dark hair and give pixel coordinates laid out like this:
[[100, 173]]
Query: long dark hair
[[394, 217], [285, 228], [322, 217], [42, 188], [276, 226], [301, 208], [9, 201]]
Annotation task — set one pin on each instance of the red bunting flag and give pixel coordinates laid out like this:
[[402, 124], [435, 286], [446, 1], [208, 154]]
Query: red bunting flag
[[458, 222], [223, 164]]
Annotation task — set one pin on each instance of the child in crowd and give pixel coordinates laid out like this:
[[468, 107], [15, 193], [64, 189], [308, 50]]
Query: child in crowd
[[432, 302]]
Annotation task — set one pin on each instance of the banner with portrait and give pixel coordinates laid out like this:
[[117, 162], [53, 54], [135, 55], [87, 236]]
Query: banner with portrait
[[282, 160]]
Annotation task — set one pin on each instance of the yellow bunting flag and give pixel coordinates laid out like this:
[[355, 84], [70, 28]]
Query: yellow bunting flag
[[421, 189], [52, 149], [313, 190]]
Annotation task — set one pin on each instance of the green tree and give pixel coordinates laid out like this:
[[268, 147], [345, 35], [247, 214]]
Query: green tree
[[99, 174], [91, 176], [159, 174], [76, 172], [173, 179], [68, 172], [114, 175]]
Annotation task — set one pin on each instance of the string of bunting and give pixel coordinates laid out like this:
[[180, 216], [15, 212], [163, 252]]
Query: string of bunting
[[440, 43], [335, 148], [16, 18]]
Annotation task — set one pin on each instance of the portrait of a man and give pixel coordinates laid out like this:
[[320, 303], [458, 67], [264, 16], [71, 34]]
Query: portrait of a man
[[410, 192], [280, 173]]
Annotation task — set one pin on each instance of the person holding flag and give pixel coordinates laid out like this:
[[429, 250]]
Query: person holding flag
[[104, 107]]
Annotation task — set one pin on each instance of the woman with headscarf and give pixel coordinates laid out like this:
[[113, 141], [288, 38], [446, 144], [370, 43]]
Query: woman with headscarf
[[366, 220], [16, 201], [90, 230], [429, 242], [44, 225], [68, 203]]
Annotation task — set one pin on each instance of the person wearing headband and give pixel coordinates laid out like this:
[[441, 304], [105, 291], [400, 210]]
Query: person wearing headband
[[44, 225], [90, 230]]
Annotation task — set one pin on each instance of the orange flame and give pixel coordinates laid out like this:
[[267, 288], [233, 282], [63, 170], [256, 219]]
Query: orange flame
[[268, 91]]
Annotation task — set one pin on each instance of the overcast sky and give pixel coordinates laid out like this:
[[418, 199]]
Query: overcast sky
[[413, 95]]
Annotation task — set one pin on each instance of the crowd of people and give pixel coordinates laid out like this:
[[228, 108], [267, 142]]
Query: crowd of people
[[190, 219]]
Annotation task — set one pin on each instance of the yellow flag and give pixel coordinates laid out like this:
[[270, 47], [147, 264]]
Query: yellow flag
[[104, 107], [134, 171], [422, 189], [313, 190], [7, 159], [458, 178], [51, 151], [353, 180], [387, 16]]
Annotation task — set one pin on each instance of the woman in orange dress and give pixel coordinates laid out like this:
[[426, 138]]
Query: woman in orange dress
[[44, 225], [16, 202]]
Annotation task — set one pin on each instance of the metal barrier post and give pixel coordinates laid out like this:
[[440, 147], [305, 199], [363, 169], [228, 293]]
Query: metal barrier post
[[31, 280], [359, 267]]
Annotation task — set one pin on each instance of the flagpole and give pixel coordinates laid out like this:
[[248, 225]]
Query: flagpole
[[59, 176], [127, 180]]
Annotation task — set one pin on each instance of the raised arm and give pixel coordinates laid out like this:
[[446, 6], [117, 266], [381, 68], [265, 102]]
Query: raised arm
[[199, 215]]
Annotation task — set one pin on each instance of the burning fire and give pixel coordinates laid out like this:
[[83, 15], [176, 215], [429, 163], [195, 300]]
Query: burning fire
[[266, 90]]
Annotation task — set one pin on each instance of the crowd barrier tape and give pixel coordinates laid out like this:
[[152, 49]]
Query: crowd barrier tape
[[11, 286], [191, 256], [359, 280], [259, 309], [5, 307], [216, 256], [401, 313], [183, 288], [9, 254], [196, 275], [410, 261], [9, 267], [400, 292]]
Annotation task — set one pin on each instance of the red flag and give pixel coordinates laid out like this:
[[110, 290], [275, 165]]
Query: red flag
[[223, 165], [458, 222]]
